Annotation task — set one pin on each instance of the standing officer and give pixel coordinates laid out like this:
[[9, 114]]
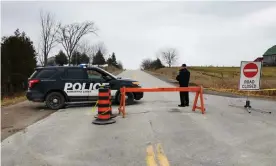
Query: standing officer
[[183, 78]]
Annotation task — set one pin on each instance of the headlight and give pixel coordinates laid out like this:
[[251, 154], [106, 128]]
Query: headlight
[[136, 83]]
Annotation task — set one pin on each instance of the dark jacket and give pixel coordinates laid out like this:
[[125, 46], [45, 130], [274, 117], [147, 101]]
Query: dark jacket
[[183, 77]]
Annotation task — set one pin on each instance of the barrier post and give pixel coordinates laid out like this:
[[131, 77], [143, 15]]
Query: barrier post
[[123, 99], [104, 109], [199, 94], [202, 100], [195, 101], [110, 99], [122, 102]]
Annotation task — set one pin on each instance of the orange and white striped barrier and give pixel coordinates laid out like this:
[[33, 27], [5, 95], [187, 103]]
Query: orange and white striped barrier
[[198, 90]]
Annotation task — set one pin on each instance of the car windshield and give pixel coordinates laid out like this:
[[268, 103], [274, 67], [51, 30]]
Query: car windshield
[[108, 73]]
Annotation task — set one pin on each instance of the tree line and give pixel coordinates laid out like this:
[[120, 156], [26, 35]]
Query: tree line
[[82, 58], [168, 55], [19, 57]]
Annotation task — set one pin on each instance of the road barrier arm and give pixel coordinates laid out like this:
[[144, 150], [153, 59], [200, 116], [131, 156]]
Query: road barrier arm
[[198, 90], [182, 89]]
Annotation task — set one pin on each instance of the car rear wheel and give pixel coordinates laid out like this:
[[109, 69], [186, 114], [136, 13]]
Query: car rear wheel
[[129, 98], [55, 100]]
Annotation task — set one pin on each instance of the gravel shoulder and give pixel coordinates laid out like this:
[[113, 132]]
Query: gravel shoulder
[[17, 117]]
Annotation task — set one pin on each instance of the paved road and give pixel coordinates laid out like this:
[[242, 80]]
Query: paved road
[[225, 135]]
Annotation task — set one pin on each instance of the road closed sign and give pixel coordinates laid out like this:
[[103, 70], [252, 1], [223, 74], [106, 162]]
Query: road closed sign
[[250, 75]]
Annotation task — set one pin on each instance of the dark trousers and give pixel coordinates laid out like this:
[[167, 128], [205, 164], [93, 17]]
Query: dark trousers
[[184, 98]]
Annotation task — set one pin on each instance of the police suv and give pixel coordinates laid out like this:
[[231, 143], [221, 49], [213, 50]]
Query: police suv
[[59, 85]]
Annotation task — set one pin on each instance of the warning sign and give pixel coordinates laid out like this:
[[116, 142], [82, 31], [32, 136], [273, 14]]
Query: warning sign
[[250, 75]]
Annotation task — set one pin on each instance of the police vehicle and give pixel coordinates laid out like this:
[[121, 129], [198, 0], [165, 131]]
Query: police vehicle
[[59, 85]]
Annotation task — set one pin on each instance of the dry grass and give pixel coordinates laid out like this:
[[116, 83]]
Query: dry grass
[[13, 99], [224, 79], [113, 70]]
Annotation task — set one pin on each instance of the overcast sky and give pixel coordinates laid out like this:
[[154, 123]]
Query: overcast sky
[[204, 33]]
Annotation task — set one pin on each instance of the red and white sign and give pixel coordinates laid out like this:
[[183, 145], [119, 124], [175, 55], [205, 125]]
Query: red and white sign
[[250, 75], [250, 70]]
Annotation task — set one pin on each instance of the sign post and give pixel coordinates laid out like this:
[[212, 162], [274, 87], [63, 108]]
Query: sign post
[[250, 78]]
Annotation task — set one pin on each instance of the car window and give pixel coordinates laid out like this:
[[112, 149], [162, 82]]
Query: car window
[[108, 74], [93, 74], [74, 74], [46, 73], [34, 74]]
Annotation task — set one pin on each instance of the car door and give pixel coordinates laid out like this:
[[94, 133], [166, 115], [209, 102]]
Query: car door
[[75, 84], [95, 80]]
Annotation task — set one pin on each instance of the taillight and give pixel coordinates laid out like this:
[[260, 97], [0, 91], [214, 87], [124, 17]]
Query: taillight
[[32, 82]]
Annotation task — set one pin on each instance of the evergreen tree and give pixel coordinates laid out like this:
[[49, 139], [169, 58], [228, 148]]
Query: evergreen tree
[[98, 59], [109, 61], [18, 60], [76, 58], [61, 58], [84, 58], [113, 59]]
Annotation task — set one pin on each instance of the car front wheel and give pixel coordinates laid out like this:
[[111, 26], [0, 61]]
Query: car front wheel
[[129, 98], [55, 100]]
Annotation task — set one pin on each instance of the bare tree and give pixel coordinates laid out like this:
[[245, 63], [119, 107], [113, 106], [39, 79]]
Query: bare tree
[[169, 56], [84, 47], [91, 50], [146, 64], [49, 29], [40, 56], [100, 46], [70, 35]]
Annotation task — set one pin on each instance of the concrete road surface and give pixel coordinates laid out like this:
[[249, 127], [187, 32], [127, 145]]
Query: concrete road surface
[[154, 130]]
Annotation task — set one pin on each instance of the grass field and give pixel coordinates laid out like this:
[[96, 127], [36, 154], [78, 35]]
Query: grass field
[[113, 70], [224, 79]]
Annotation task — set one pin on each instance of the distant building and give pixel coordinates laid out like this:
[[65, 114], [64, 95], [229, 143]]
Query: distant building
[[259, 59], [269, 57], [51, 61]]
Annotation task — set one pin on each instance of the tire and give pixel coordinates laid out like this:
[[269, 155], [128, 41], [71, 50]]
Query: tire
[[129, 101], [55, 100]]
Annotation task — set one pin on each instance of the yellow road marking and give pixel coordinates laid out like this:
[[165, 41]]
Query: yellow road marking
[[163, 161], [150, 156]]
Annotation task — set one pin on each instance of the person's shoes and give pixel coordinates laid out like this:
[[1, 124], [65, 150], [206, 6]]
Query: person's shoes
[[180, 105], [187, 105]]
